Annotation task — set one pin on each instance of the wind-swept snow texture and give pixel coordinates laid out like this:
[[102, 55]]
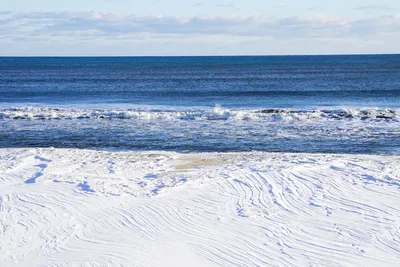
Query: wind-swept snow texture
[[67, 207]]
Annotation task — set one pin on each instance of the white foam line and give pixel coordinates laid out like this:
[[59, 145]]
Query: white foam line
[[217, 113], [66, 207]]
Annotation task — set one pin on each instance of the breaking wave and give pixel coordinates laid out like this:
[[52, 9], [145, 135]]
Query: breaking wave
[[218, 113]]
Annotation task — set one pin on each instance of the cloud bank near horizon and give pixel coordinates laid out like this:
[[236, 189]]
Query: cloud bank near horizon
[[92, 33]]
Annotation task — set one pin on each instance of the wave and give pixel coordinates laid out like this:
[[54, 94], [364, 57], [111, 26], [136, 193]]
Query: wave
[[217, 113]]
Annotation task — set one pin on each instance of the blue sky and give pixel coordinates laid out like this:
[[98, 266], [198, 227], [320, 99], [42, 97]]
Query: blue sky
[[198, 27]]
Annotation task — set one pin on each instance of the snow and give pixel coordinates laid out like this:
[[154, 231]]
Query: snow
[[70, 207]]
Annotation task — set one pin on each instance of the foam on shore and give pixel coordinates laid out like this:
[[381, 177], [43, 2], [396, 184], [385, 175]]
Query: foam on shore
[[69, 207]]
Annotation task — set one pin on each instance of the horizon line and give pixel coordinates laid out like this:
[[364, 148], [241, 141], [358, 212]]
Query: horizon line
[[244, 55]]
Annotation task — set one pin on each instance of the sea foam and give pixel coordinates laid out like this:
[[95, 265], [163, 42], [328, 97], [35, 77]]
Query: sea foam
[[217, 113]]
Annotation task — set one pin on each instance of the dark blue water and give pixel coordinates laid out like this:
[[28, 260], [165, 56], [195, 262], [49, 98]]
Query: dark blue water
[[333, 104]]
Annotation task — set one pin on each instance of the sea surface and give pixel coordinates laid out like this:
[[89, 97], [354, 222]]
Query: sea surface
[[317, 104]]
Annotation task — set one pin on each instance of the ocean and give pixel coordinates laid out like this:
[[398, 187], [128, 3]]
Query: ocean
[[346, 104]]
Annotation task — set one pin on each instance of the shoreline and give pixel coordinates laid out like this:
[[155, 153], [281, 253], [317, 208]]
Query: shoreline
[[172, 152]]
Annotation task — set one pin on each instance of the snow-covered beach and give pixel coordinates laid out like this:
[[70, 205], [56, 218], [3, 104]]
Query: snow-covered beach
[[70, 207]]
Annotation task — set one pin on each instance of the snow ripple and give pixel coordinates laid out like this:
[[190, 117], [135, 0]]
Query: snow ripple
[[91, 208]]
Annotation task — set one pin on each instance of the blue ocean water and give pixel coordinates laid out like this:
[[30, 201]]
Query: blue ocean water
[[324, 104]]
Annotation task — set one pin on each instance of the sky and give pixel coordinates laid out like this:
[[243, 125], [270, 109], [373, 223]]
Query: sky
[[198, 27]]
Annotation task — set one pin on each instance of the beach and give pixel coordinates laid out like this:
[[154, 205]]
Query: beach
[[199, 133], [79, 207]]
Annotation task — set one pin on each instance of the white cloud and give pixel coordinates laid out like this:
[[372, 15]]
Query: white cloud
[[199, 4], [5, 12], [227, 5], [239, 31], [374, 7]]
